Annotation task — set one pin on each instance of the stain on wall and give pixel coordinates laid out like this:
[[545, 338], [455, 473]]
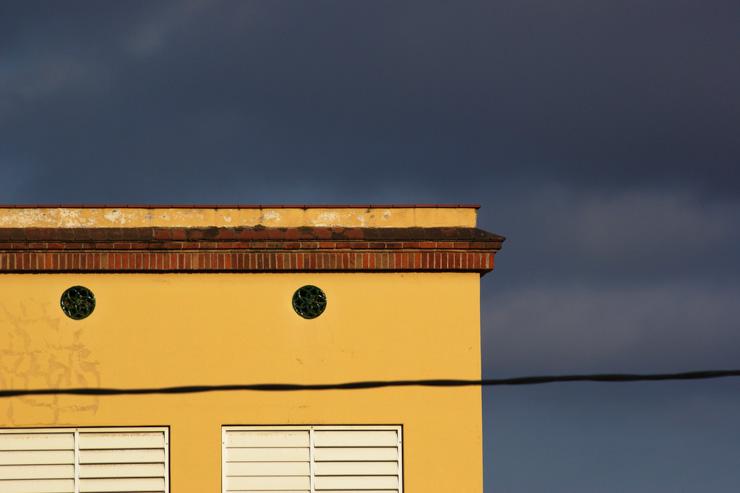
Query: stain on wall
[[36, 352]]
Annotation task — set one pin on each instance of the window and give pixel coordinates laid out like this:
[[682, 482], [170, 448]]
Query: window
[[312, 458], [67, 460]]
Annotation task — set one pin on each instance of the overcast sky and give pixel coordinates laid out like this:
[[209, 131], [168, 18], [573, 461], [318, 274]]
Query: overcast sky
[[601, 137]]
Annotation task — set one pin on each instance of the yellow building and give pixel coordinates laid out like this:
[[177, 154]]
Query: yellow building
[[151, 297]]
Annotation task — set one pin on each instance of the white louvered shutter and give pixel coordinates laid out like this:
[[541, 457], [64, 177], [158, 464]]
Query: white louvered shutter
[[37, 461], [266, 460], [84, 460], [357, 460], [308, 459], [123, 461]]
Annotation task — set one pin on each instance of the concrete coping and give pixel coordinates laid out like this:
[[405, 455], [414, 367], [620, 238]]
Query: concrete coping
[[344, 216]]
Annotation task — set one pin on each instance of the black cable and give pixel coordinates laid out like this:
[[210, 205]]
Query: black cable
[[376, 384]]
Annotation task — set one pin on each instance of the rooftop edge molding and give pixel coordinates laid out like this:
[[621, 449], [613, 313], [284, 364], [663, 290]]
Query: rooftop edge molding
[[223, 216], [258, 249]]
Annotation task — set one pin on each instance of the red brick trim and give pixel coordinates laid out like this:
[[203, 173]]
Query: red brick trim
[[221, 261], [247, 250], [256, 234]]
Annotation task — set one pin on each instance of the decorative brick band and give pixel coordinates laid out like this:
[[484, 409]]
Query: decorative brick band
[[220, 261], [247, 250]]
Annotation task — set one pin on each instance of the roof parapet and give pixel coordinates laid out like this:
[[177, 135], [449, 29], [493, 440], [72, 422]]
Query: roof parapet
[[225, 216]]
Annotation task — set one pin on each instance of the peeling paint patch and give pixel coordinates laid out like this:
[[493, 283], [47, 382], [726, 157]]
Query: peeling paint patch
[[115, 216], [327, 218], [73, 218], [25, 218], [270, 217]]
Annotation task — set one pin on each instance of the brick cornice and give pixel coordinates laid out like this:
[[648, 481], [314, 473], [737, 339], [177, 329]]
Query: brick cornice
[[246, 249]]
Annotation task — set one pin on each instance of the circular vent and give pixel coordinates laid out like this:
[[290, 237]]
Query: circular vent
[[309, 301], [77, 302]]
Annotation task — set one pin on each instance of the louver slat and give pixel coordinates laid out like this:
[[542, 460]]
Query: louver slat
[[37, 441], [40, 457], [40, 486], [260, 483], [356, 483], [267, 454], [267, 469], [123, 471], [356, 454], [37, 472], [364, 491], [130, 456], [356, 468], [121, 440], [369, 438], [267, 439], [122, 485]]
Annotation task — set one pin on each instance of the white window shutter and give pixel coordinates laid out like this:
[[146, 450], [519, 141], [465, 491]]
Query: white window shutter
[[70, 460], [310, 459], [123, 461], [266, 460], [37, 462], [357, 459]]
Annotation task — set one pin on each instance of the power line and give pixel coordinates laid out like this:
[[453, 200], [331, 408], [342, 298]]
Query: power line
[[376, 384]]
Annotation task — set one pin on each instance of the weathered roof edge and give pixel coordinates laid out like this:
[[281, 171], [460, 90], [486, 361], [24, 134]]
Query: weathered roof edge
[[303, 249], [257, 233], [239, 206]]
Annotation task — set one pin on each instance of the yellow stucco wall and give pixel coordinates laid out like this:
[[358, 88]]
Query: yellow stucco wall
[[360, 217], [151, 330]]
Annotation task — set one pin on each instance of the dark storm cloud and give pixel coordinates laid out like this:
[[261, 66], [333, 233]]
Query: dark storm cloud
[[642, 438], [614, 237], [577, 328], [601, 138], [514, 93]]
